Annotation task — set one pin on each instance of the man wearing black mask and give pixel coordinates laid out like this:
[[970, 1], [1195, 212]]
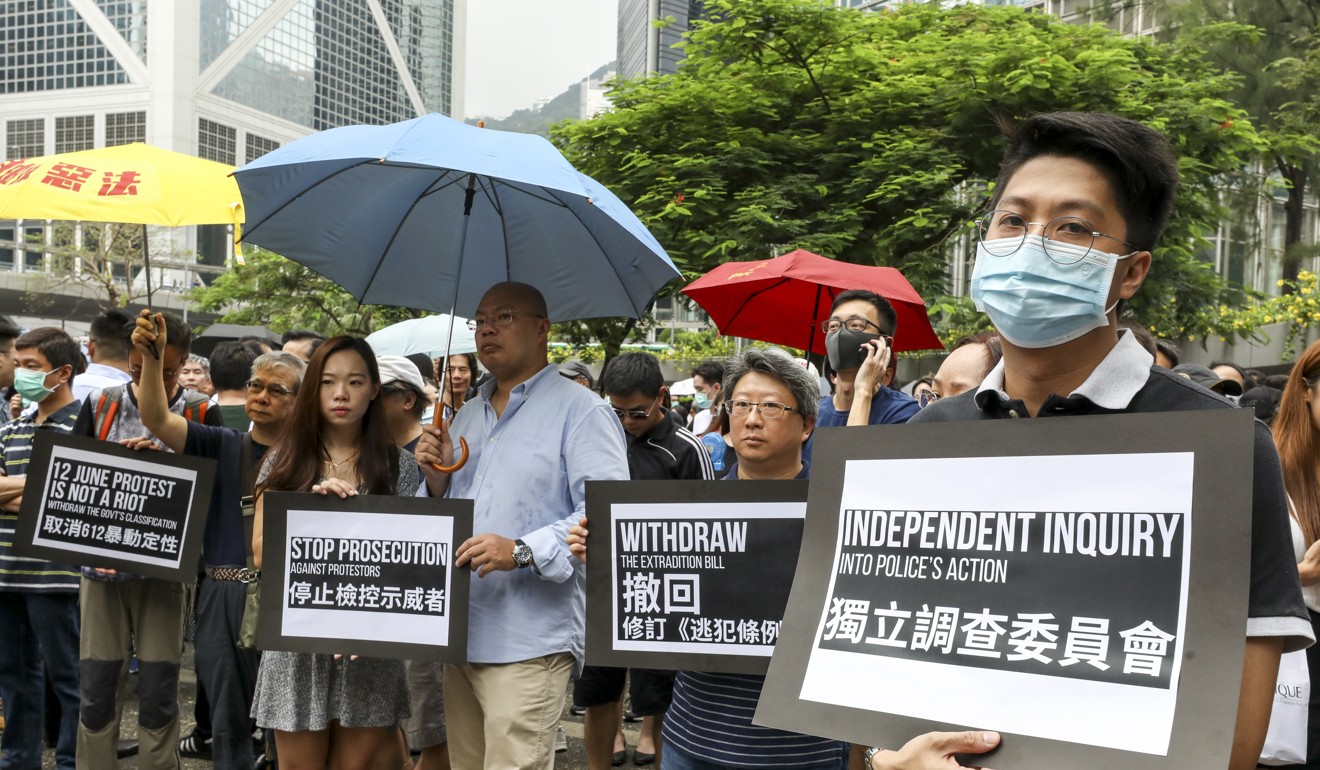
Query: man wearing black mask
[[858, 335]]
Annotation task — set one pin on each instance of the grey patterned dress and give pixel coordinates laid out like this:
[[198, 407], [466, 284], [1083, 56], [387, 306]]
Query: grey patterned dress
[[298, 691]]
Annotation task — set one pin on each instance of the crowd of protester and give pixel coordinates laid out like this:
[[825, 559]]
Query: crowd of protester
[[331, 417]]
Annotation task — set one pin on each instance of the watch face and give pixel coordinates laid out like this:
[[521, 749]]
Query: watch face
[[523, 555]]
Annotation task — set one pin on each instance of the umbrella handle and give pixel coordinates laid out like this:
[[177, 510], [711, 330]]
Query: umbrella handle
[[462, 443]]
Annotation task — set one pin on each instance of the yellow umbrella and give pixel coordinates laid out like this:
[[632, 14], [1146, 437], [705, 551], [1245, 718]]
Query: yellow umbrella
[[131, 183]]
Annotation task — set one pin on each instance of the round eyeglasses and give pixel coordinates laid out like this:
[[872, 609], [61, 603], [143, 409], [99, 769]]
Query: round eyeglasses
[[1002, 232]]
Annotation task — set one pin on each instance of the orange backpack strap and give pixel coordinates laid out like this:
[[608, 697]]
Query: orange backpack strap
[[107, 408], [196, 407]]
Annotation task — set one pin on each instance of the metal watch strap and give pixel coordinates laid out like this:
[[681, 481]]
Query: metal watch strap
[[869, 756]]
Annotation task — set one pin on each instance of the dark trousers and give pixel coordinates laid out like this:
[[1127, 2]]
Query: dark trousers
[[228, 673], [38, 632]]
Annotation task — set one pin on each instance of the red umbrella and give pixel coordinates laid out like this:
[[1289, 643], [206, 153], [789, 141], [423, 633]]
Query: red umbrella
[[783, 300]]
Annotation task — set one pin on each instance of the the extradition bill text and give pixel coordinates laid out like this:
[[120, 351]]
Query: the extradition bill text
[[1153, 535]]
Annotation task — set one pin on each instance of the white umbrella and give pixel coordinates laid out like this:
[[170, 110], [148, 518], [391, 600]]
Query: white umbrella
[[423, 335], [683, 388]]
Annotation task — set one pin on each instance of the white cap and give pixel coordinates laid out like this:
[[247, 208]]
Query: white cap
[[399, 369]]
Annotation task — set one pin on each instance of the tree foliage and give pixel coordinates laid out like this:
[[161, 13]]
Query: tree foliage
[[105, 256], [279, 294], [872, 138], [1264, 45]]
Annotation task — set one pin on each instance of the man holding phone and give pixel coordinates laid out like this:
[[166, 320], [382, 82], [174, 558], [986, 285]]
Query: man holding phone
[[858, 338]]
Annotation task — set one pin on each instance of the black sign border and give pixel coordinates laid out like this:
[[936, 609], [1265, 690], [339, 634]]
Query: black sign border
[[601, 497], [1207, 700], [275, 526], [34, 501]]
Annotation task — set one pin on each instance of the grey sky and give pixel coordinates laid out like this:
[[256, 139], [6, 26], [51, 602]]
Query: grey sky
[[519, 51]]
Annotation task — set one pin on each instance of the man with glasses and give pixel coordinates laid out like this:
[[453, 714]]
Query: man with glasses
[[771, 402], [658, 450], [858, 338], [227, 672], [1080, 203], [534, 439]]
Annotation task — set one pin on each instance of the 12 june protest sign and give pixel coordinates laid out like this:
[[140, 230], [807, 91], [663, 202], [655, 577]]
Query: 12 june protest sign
[[98, 504], [690, 575], [1079, 585], [367, 575]]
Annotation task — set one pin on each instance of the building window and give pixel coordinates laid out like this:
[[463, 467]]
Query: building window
[[217, 142], [74, 133], [41, 35], [25, 138], [125, 128], [7, 250], [258, 146]]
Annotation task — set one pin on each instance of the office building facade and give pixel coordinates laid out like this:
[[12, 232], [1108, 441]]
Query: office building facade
[[226, 80]]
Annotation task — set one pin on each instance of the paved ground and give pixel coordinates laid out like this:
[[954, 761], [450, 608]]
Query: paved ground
[[573, 759]]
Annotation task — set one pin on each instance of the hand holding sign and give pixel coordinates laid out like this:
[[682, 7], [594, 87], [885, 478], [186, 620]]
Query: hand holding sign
[[935, 751], [577, 540]]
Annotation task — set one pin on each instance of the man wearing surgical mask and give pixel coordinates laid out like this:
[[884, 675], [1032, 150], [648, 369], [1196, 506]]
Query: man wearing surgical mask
[[1079, 204], [38, 598], [857, 337]]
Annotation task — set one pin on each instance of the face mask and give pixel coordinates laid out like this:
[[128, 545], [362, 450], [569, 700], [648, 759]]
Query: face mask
[[1035, 302], [32, 384], [701, 401], [844, 348]]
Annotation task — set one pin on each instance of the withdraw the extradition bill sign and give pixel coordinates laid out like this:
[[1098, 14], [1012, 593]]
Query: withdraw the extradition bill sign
[[1077, 584], [690, 575], [98, 504], [367, 575]]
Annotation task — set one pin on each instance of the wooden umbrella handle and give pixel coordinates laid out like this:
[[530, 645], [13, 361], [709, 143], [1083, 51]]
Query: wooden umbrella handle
[[462, 443], [438, 421]]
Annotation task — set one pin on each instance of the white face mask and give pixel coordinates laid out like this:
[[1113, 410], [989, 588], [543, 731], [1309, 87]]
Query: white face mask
[[1036, 302]]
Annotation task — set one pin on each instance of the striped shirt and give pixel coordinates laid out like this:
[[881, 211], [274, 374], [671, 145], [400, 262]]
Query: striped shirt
[[710, 719], [21, 573]]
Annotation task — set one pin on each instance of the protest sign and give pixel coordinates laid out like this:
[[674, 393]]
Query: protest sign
[[1078, 585], [366, 575], [98, 504], [690, 575]]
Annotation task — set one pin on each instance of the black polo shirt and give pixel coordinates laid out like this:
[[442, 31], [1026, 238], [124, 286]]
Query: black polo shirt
[[1127, 381], [667, 452]]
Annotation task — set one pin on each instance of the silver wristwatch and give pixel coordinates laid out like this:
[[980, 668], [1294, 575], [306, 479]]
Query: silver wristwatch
[[522, 554], [869, 756]]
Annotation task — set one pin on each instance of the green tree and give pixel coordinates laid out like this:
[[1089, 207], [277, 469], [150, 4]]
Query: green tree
[[1259, 43], [277, 293], [871, 137]]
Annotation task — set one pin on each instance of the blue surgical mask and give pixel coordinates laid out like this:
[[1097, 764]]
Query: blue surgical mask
[[701, 401], [1034, 301], [32, 384]]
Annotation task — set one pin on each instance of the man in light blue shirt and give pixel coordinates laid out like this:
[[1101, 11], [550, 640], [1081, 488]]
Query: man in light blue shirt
[[107, 351], [534, 440]]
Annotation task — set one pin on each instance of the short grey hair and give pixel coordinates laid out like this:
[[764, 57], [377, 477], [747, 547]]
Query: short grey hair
[[201, 361], [775, 363], [278, 358]]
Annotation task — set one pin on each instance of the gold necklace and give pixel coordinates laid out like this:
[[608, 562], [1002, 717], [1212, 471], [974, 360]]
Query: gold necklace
[[335, 466]]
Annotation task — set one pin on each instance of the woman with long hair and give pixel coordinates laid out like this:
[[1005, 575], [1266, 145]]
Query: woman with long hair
[[1296, 430], [334, 711]]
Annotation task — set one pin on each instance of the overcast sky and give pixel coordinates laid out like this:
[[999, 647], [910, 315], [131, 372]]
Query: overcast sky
[[519, 51]]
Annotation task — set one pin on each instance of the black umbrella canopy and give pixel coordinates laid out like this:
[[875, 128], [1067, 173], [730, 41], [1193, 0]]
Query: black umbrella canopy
[[204, 343]]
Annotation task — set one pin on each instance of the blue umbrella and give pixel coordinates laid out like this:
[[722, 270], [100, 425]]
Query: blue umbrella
[[430, 212]]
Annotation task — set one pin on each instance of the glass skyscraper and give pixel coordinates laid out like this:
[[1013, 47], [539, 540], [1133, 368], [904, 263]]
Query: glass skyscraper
[[226, 80]]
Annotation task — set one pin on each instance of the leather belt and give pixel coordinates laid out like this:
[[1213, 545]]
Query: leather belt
[[236, 574]]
